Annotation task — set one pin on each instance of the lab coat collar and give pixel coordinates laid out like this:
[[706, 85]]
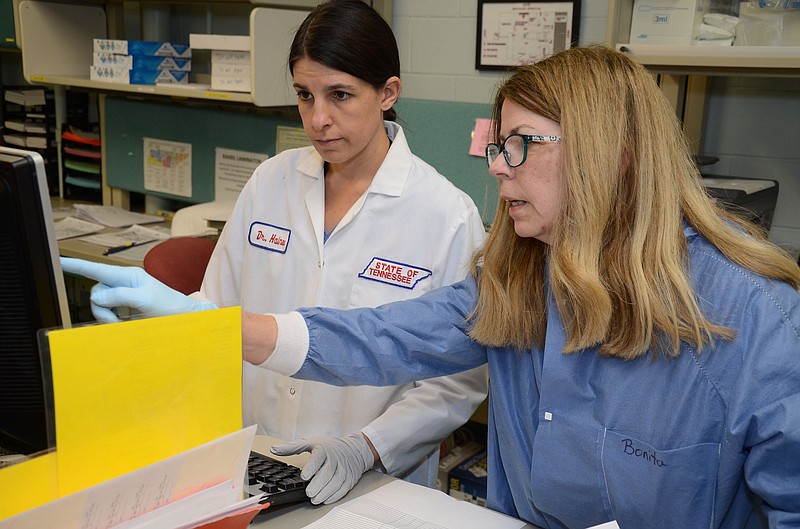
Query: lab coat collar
[[391, 176], [393, 173]]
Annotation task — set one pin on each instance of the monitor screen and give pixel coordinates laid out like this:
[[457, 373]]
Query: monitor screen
[[32, 297]]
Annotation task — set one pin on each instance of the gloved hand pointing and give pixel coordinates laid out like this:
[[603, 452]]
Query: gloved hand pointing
[[130, 286], [336, 464]]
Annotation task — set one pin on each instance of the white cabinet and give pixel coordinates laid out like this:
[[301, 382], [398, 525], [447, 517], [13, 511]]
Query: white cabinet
[[730, 60], [56, 39]]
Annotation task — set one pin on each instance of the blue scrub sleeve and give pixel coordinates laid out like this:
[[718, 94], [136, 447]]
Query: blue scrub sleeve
[[396, 343]]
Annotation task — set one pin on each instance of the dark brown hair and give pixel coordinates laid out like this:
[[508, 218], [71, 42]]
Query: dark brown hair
[[349, 36]]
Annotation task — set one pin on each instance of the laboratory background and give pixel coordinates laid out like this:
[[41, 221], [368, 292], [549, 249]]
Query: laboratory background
[[742, 122], [749, 123]]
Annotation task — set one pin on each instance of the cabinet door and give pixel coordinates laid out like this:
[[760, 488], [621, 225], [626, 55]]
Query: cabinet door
[[272, 31], [56, 39]]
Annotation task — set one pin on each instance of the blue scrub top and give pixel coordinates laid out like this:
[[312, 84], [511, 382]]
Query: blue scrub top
[[577, 440]]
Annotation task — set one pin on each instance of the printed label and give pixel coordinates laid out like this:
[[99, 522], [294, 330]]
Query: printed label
[[394, 273], [269, 237]]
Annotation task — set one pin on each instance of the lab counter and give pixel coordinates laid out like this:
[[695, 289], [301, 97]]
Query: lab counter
[[300, 515]]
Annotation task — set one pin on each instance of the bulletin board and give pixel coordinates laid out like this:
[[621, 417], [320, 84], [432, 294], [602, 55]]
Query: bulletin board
[[129, 121], [439, 132]]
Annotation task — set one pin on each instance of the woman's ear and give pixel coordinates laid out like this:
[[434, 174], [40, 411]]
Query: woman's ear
[[391, 91]]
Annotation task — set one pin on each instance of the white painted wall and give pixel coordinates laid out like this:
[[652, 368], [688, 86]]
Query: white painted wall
[[437, 47], [752, 123]]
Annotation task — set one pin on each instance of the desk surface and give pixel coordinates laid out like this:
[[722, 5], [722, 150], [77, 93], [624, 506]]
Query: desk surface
[[300, 515], [74, 247]]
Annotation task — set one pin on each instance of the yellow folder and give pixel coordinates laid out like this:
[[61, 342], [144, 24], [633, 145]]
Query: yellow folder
[[132, 393]]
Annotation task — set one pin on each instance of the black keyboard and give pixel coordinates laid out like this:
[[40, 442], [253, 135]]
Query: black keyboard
[[279, 482]]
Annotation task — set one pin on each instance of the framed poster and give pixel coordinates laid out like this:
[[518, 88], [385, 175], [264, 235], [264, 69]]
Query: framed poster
[[511, 34]]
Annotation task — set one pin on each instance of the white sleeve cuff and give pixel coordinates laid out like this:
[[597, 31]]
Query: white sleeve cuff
[[291, 348]]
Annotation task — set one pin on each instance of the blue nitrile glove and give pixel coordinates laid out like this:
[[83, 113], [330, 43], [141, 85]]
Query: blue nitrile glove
[[130, 286], [336, 464]]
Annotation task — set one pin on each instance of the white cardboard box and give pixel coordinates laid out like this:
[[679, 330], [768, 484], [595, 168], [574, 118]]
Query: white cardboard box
[[202, 41], [230, 70], [230, 84], [666, 22], [230, 57]]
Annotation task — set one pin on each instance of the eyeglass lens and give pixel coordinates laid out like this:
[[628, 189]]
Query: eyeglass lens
[[513, 150]]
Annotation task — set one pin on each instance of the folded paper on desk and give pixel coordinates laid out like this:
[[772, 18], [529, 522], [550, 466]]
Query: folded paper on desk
[[403, 504], [113, 217], [137, 241], [69, 227], [195, 488]]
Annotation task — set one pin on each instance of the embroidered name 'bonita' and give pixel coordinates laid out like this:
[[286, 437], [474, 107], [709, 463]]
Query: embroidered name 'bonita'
[[394, 273], [269, 237]]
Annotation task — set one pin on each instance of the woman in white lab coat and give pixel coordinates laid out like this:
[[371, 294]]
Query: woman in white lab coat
[[356, 220]]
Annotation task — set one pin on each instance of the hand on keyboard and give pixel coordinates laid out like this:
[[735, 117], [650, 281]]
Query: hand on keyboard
[[278, 483], [335, 466]]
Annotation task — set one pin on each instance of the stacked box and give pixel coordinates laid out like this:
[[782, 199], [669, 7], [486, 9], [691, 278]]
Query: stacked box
[[454, 457], [468, 480], [142, 47], [140, 62], [230, 60]]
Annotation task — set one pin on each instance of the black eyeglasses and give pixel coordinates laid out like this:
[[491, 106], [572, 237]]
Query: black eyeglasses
[[515, 148]]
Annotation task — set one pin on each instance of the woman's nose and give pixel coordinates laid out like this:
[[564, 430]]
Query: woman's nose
[[320, 117], [499, 168]]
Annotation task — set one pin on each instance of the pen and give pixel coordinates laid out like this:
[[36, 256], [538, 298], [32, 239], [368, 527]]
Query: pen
[[125, 246]]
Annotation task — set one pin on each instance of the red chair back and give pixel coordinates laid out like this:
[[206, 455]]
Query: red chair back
[[180, 263]]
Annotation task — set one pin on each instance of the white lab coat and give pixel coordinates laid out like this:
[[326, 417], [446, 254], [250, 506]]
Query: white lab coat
[[411, 223]]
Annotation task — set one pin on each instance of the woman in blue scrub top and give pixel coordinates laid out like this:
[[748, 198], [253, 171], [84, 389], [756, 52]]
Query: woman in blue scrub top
[[643, 344]]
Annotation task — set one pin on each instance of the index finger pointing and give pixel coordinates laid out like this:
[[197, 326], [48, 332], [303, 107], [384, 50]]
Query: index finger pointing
[[104, 273]]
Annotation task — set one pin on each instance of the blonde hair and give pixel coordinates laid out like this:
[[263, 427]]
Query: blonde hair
[[617, 262]]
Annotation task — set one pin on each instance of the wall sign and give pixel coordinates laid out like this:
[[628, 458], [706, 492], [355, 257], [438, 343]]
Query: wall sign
[[512, 34]]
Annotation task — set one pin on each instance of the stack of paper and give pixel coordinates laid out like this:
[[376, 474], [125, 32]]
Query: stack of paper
[[112, 216], [69, 227], [403, 504]]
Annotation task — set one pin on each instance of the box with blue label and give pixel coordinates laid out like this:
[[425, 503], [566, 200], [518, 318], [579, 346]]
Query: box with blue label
[[142, 62], [468, 480], [126, 76], [142, 47]]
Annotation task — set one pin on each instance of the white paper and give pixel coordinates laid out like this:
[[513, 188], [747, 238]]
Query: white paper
[[168, 167], [608, 525], [233, 170], [206, 506], [222, 461], [135, 234], [63, 212], [71, 227], [403, 504], [112, 216], [290, 138]]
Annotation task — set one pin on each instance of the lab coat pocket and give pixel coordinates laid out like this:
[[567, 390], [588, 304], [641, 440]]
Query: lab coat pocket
[[658, 488]]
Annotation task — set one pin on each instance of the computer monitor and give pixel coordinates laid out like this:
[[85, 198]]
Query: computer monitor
[[32, 298]]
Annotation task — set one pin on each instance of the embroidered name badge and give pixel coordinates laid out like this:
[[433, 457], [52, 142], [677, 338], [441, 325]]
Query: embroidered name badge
[[393, 273], [269, 237]]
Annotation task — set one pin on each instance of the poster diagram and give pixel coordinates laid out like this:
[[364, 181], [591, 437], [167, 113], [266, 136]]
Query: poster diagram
[[168, 167], [517, 33]]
